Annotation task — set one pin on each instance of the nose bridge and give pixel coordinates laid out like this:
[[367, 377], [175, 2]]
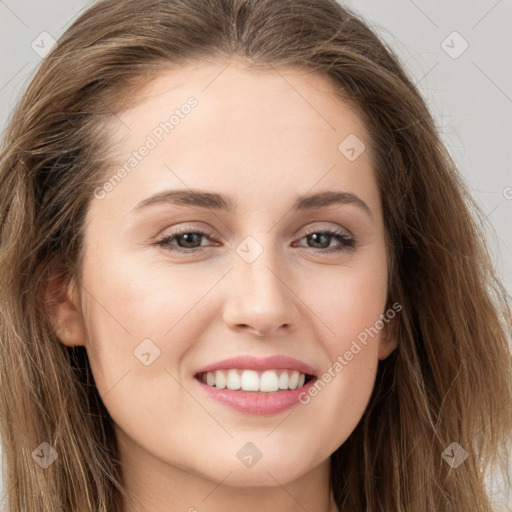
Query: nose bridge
[[258, 265], [260, 294]]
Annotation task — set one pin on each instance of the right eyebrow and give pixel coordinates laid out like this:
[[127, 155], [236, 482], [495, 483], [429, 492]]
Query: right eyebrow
[[328, 198]]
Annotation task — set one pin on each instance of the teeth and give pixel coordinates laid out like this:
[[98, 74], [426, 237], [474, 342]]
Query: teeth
[[267, 381], [283, 380], [250, 381], [220, 379], [294, 380], [233, 380]]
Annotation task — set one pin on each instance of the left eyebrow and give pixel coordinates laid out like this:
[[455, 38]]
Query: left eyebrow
[[203, 199], [189, 197]]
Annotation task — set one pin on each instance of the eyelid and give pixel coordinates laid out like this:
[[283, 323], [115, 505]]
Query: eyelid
[[347, 240], [186, 228], [211, 233], [326, 227]]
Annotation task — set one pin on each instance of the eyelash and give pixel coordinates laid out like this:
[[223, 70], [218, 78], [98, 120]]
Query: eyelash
[[348, 242]]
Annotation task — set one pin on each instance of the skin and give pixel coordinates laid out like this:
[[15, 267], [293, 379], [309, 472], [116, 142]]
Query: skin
[[262, 138]]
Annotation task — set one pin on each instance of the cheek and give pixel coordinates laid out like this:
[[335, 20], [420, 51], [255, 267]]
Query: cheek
[[145, 300], [350, 303], [142, 319], [122, 314]]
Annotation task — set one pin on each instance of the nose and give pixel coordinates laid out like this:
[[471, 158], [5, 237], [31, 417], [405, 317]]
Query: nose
[[260, 298]]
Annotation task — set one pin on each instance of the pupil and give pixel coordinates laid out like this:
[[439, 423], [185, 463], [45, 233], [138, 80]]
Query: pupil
[[187, 237], [315, 237]]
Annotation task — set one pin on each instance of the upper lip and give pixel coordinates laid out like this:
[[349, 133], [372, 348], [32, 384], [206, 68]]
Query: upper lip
[[277, 362]]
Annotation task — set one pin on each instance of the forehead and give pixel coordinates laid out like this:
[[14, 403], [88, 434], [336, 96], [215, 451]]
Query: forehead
[[250, 130]]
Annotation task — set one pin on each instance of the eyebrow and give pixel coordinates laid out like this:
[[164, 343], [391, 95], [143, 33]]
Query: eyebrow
[[203, 199]]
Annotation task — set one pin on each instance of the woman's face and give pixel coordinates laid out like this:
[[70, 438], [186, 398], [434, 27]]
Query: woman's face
[[163, 302]]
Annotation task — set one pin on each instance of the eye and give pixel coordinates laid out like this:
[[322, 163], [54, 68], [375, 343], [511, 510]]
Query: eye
[[189, 240], [321, 240]]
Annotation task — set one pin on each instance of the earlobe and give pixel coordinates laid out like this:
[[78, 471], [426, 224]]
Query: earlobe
[[63, 306], [389, 339]]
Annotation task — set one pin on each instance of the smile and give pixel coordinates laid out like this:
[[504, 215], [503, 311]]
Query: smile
[[256, 386], [268, 381]]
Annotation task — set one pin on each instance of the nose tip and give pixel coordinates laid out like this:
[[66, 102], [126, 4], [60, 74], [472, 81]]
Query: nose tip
[[262, 332], [261, 302]]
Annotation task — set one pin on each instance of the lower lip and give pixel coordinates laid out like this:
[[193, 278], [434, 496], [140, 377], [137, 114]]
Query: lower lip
[[260, 403]]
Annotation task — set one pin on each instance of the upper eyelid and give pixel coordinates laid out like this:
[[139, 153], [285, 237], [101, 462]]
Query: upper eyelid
[[329, 228], [211, 233], [346, 243]]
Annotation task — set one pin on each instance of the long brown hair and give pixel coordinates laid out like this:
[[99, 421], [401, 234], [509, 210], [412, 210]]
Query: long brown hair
[[448, 381]]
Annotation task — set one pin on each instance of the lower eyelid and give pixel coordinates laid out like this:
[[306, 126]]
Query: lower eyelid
[[346, 242]]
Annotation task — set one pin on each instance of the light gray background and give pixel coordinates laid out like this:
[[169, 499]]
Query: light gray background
[[469, 92]]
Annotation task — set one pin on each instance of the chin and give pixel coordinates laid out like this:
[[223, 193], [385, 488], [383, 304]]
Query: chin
[[273, 476], [269, 471]]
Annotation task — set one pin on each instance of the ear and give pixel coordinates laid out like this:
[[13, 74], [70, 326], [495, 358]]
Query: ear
[[389, 339], [62, 302]]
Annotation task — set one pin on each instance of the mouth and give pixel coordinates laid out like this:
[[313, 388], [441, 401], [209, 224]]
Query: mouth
[[256, 386], [255, 381]]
